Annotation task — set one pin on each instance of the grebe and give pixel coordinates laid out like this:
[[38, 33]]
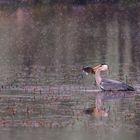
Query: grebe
[[107, 84]]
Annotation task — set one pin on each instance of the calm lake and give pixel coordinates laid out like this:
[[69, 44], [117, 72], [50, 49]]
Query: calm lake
[[44, 95]]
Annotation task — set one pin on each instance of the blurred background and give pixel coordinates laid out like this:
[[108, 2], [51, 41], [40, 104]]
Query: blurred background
[[43, 46]]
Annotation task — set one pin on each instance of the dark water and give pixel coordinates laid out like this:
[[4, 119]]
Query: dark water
[[45, 95]]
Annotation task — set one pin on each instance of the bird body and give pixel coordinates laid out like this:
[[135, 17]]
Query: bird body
[[107, 84]]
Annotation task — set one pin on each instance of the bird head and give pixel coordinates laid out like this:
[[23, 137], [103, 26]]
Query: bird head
[[92, 70]]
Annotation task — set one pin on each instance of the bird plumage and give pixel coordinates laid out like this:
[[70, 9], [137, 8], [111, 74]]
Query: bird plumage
[[111, 85], [107, 84]]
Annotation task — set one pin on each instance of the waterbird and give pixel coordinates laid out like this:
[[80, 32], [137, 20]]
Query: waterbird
[[106, 84]]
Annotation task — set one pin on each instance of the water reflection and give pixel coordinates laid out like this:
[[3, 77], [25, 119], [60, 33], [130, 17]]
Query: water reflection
[[113, 112], [98, 110], [42, 51]]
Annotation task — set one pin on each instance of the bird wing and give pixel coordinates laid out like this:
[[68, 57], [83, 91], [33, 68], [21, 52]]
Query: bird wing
[[107, 84]]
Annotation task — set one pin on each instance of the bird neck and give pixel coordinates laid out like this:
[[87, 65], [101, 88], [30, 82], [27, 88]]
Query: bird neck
[[98, 77]]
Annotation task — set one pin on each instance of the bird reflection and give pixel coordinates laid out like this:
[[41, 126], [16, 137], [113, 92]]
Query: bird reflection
[[97, 110]]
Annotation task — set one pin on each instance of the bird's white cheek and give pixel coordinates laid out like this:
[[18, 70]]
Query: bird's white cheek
[[85, 72]]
